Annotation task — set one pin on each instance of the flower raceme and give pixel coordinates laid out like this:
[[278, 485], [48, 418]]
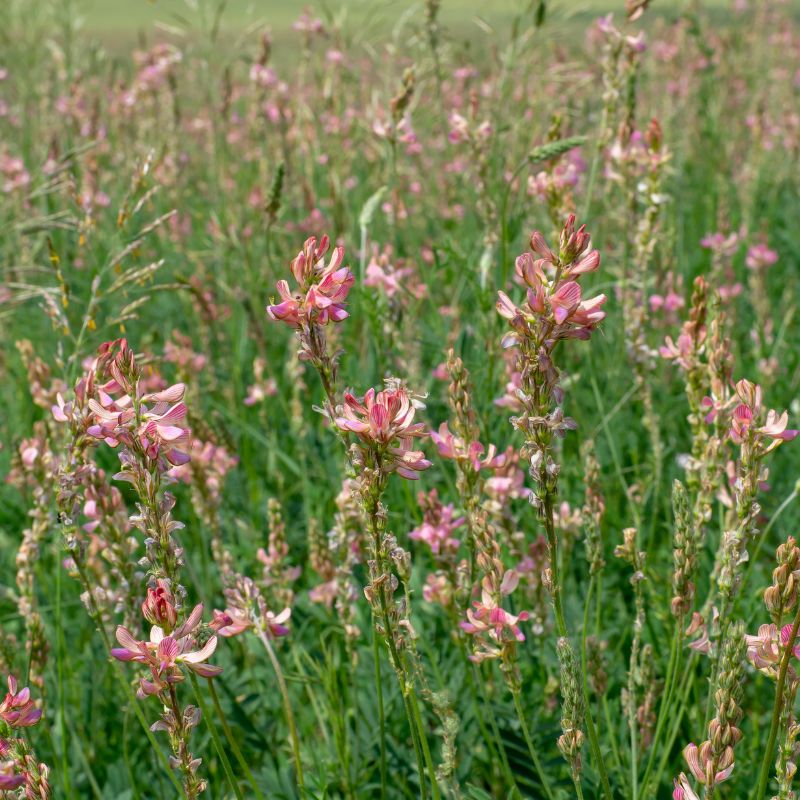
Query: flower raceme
[[384, 422], [322, 288], [17, 708], [495, 627], [747, 413], [554, 307], [120, 413], [164, 654], [155, 424], [451, 446], [765, 650]]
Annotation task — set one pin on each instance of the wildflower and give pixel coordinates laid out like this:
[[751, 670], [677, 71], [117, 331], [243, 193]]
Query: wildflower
[[17, 709], [760, 257], [682, 790], [437, 526], [489, 619], [451, 446], [247, 610], [712, 762], [323, 288], [165, 654], [746, 414], [384, 422], [159, 606]]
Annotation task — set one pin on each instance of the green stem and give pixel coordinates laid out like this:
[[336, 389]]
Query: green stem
[[212, 729], [531, 749], [381, 718], [474, 679], [776, 711], [682, 706], [561, 625], [287, 709], [60, 671], [424, 741], [232, 740], [666, 702]]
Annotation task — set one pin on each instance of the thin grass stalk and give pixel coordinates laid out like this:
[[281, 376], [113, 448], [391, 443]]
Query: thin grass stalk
[[232, 740], [212, 729], [287, 709]]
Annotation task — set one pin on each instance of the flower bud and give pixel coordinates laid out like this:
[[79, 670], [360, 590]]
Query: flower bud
[[159, 607]]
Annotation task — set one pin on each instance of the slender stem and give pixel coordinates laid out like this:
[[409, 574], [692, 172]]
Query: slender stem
[[474, 679], [776, 711], [287, 709], [212, 729], [60, 672], [381, 718], [424, 741], [232, 740], [682, 706], [531, 749], [561, 625], [666, 701]]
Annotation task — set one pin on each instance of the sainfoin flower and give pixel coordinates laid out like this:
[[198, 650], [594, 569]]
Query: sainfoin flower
[[488, 618], [759, 256], [451, 446], [17, 708], [384, 422], [247, 610], [438, 525], [746, 416], [165, 654], [682, 790], [554, 306], [765, 649], [322, 288], [699, 760]]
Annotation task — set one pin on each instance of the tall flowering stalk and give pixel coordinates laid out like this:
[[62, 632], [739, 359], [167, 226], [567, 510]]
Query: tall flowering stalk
[[758, 432], [384, 427], [554, 310], [712, 762], [318, 299], [169, 654], [150, 428]]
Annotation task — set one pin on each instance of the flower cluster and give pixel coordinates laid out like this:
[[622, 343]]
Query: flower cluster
[[437, 526], [384, 423], [554, 307], [19, 768], [712, 762], [494, 628], [167, 650], [744, 421], [322, 288]]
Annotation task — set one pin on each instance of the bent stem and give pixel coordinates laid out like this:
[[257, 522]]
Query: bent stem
[[212, 729], [231, 740], [287, 709], [776, 711]]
